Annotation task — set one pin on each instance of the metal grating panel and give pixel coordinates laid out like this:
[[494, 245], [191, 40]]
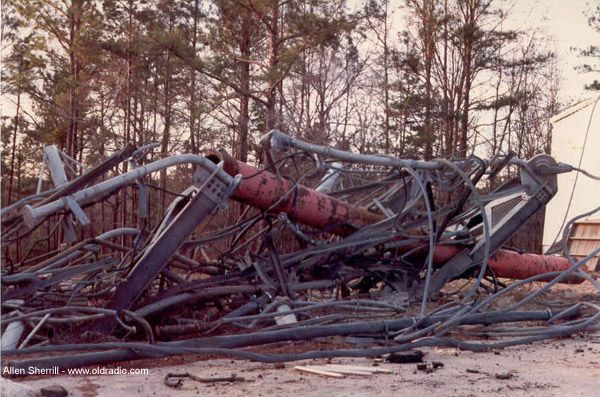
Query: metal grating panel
[[502, 209]]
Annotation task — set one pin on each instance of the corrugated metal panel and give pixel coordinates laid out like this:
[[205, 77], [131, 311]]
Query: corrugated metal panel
[[584, 238]]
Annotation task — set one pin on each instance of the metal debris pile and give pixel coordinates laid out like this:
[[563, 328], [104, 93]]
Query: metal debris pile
[[318, 243]]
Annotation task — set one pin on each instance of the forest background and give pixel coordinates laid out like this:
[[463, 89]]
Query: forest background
[[413, 78]]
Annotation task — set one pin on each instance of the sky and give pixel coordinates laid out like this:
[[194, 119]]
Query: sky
[[566, 24]]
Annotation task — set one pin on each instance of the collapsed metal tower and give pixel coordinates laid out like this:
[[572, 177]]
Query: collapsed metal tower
[[313, 219]]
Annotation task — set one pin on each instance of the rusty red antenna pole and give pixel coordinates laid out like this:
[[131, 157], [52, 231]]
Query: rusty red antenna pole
[[513, 264], [263, 189]]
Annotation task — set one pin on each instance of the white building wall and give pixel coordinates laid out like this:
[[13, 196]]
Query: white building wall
[[567, 145]]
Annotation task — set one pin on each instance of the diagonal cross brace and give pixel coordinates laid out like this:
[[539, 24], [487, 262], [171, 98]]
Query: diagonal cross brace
[[200, 203], [82, 218], [59, 178]]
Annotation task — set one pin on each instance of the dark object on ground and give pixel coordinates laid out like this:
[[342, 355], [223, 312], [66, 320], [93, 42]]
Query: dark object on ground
[[422, 366], [176, 380], [411, 357], [54, 391]]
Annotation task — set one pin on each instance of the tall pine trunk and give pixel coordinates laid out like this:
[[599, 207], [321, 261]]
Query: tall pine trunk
[[242, 149], [14, 148]]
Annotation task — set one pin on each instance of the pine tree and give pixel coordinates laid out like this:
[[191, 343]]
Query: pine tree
[[592, 52]]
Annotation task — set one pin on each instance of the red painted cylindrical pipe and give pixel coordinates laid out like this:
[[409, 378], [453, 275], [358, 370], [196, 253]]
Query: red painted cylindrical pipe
[[511, 264], [263, 189]]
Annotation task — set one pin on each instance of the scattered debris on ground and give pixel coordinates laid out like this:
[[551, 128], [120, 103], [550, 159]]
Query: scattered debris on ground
[[537, 368], [318, 243]]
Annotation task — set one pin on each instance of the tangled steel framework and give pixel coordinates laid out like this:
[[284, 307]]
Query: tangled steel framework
[[384, 234]]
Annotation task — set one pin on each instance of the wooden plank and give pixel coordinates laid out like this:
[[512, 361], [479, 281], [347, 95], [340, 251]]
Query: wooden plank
[[345, 371], [377, 370], [311, 370]]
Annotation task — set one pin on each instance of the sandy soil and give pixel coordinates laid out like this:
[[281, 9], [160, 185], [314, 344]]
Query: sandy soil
[[566, 367], [560, 367]]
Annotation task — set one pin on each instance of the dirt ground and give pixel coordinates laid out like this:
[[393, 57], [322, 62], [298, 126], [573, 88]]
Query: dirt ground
[[565, 367], [560, 367]]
